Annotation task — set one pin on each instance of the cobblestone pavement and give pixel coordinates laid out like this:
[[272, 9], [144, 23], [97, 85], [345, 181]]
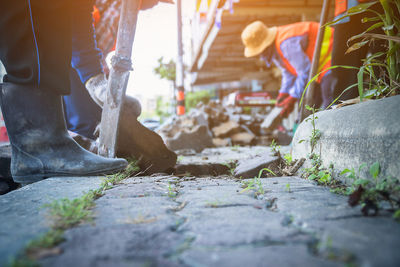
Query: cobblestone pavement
[[165, 220], [211, 222]]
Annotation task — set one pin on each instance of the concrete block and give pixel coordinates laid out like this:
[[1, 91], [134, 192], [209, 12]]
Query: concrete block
[[196, 139], [353, 135]]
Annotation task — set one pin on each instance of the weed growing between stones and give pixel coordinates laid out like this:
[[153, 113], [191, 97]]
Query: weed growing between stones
[[288, 188], [276, 150], [317, 172], [255, 184], [232, 166], [65, 214], [172, 192], [371, 193], [315, 133]]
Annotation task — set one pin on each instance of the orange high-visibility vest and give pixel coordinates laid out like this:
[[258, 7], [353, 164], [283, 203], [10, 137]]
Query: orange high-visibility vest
[[311, 30]]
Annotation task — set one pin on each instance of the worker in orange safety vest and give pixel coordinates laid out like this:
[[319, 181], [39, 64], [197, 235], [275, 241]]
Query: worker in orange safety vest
[[291, 48]]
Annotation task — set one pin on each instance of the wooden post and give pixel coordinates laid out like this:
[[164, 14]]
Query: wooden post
[[118, 79], [180, 96], [309, 97]]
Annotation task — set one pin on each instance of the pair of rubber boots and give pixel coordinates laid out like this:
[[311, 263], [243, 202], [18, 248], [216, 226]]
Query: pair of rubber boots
[[134, 140], [41, 145]]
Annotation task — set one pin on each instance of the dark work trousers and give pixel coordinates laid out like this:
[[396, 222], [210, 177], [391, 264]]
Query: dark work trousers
[[81, 112], [35, 43]]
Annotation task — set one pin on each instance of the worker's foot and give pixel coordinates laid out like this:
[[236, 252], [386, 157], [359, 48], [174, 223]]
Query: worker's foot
[[97, 88], [41, 145]]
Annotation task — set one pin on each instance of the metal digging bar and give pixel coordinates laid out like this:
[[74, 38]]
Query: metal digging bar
[[121, 65], [309, 97]]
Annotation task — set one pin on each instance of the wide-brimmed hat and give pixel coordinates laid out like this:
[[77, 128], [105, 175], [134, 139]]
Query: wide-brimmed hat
[[256, 37]]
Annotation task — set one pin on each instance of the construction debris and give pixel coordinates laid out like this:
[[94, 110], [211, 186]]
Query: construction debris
[[215, 125]]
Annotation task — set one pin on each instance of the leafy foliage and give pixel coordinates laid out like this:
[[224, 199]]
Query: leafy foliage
[[166, 70], [379, 76], [193, 98], [370, 193]]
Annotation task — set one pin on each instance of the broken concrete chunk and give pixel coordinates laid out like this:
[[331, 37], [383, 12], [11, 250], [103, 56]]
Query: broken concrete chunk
[[221, 142], [250, 168], [243, 138], [196, 139], [225, 129], [272, 120]]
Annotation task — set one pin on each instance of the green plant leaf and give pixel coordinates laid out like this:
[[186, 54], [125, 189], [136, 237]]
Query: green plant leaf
[[316, 76], [374, 170], [265, 169], [312, 177], [362, 166], [360, 8], [356, 46], [360, 82], [376, 25], [396, 215], [362, 182]]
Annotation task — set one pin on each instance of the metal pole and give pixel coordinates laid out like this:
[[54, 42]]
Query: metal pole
[[180, 96], [309, 97]]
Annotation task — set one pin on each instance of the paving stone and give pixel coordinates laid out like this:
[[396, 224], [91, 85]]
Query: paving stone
[[354, 135], [248, 168], [23, 216], [223, 155]]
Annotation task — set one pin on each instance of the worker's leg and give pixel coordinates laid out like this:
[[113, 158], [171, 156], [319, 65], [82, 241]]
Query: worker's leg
[[33, 32], [82, 114], [346, 77]]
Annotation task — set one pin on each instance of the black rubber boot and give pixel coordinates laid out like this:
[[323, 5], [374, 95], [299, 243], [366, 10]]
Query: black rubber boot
[[41, 145]]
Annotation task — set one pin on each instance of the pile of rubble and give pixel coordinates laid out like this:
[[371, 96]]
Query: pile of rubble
[[215, 125]]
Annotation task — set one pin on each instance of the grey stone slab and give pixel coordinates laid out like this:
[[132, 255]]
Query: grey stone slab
[[277, 255], [23, 216], [248, 168], [223, 155], [353, 135]]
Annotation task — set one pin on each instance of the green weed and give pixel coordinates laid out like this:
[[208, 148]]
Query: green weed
[[172, 192], [288, 158], [288, 188], [396, 215], [315, 133], [369, 193], [255, 184], [275, 148], [66, 213]]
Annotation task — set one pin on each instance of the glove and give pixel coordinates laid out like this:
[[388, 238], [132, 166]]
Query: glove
[[280, 98], [146, 4], [288, 105]]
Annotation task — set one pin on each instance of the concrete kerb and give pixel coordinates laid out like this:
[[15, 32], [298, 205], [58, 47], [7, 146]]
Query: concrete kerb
[[354, 135]]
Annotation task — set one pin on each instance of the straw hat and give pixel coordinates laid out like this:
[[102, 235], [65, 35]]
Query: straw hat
[[256, 37]]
